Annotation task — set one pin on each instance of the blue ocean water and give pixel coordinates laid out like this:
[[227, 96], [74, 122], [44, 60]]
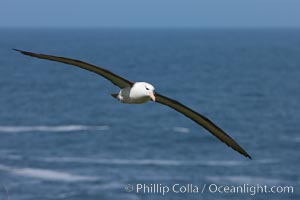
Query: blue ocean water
[[62, 136]]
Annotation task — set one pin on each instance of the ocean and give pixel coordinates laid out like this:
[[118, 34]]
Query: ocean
[[62, 136]]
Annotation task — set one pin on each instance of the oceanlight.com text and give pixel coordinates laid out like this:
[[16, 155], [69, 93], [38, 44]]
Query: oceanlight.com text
[[249, 189]]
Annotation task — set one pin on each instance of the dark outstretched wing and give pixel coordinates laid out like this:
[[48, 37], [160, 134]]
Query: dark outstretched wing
[[115, 79], [202, 121]]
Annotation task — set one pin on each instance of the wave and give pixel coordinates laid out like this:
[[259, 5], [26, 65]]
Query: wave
[[114, 161], [156, 162], [267, 161], [61, 128], [181, 129], [46, 174]]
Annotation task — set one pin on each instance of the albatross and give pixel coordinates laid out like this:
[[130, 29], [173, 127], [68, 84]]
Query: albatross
[[142, 92]]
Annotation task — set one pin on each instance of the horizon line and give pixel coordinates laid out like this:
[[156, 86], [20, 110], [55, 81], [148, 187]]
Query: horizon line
[[149, 27]]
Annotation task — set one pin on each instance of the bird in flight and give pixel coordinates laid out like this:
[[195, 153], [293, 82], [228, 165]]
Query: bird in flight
[[142, 92]]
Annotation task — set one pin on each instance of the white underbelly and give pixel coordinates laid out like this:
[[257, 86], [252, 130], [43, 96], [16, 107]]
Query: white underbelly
[[125, 96]]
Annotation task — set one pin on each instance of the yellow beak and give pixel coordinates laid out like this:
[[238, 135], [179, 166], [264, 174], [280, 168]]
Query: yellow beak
[[152, 96]]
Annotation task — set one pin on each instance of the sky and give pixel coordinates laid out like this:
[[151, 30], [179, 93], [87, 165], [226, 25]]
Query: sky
[[150, 13]]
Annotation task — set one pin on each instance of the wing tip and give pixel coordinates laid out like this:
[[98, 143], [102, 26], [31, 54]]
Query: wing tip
[[27, 53], [240, 150], [244, 153], [248, 156], [18, 50]]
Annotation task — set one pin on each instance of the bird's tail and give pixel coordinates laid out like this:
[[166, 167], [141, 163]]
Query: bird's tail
[[115, 95]]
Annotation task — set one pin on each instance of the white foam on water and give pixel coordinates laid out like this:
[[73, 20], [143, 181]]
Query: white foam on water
[[60, 128], [181, 129], [266, 161], [225, 163], [157, 162], [114, 161], [46, 174]]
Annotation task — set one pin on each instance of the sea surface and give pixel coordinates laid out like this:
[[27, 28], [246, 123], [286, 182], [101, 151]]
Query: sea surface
[[62, 136]]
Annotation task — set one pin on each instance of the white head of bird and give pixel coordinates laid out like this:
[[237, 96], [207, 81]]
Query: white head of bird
[[140, 92]]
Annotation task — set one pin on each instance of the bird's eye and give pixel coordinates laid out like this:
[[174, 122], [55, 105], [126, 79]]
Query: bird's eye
[[147, 88]]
